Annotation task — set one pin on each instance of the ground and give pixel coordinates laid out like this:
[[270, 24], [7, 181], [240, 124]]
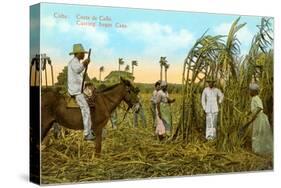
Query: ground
[[130, 152]]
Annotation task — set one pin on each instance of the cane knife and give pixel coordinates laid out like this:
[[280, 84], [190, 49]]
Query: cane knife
[[85, 72]]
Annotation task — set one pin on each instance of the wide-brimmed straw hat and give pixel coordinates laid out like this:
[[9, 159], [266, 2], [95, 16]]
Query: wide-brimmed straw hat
[[77, 48]]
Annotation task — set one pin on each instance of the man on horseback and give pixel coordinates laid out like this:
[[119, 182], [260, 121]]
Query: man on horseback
[[75, 70]]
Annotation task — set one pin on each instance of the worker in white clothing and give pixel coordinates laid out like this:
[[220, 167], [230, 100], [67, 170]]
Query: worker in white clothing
[[75, 71], [211, 96]]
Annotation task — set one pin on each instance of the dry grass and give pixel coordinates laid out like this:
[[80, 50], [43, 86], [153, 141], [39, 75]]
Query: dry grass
[[135, 153]]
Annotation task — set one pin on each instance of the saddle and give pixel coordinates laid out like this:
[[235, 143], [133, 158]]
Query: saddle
[[90, 98]]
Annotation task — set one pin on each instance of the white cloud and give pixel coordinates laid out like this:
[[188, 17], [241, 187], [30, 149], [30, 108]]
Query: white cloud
[[48, 22], [96, 37], [98, 40], [158, 39], [64, 27]]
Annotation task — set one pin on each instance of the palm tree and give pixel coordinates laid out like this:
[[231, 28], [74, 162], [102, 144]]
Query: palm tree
[[127, 68], [101, 70], [120, 62], [134, 63], [162, 63], [166, 66]]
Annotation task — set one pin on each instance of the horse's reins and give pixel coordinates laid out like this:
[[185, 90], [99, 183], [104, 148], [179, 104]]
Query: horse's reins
[[124, 116], [110, 113]]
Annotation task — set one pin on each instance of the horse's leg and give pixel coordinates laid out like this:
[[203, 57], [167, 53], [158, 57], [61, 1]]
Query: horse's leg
[[99, 132], [98, 141], [47, 121], [45, 127]]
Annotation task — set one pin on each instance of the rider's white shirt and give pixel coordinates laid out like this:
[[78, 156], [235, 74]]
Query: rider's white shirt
[[74, 76]]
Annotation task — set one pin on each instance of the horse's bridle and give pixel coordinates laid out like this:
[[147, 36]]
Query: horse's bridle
[[127, 110], [129, 107]]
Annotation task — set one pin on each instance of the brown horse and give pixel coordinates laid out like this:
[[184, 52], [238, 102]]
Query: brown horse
[[54, 110]]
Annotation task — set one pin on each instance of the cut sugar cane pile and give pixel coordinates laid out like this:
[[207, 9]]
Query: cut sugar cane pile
[[135, 153]]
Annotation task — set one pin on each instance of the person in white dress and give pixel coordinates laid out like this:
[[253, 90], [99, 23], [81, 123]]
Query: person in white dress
[[210, 99], [262, 141], [163, 112]]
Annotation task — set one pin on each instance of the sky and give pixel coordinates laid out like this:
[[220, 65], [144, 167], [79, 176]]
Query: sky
[[145, 36]]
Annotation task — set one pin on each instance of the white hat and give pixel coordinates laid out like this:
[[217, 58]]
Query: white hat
[[254, 87], [163, 83]]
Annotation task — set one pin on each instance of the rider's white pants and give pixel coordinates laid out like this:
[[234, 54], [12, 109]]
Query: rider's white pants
[[86, 115]]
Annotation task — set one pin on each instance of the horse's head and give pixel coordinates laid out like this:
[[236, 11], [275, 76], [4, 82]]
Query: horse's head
[[131, 96]]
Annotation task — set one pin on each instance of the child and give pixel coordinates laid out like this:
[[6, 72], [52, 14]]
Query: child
[[138, 110]]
